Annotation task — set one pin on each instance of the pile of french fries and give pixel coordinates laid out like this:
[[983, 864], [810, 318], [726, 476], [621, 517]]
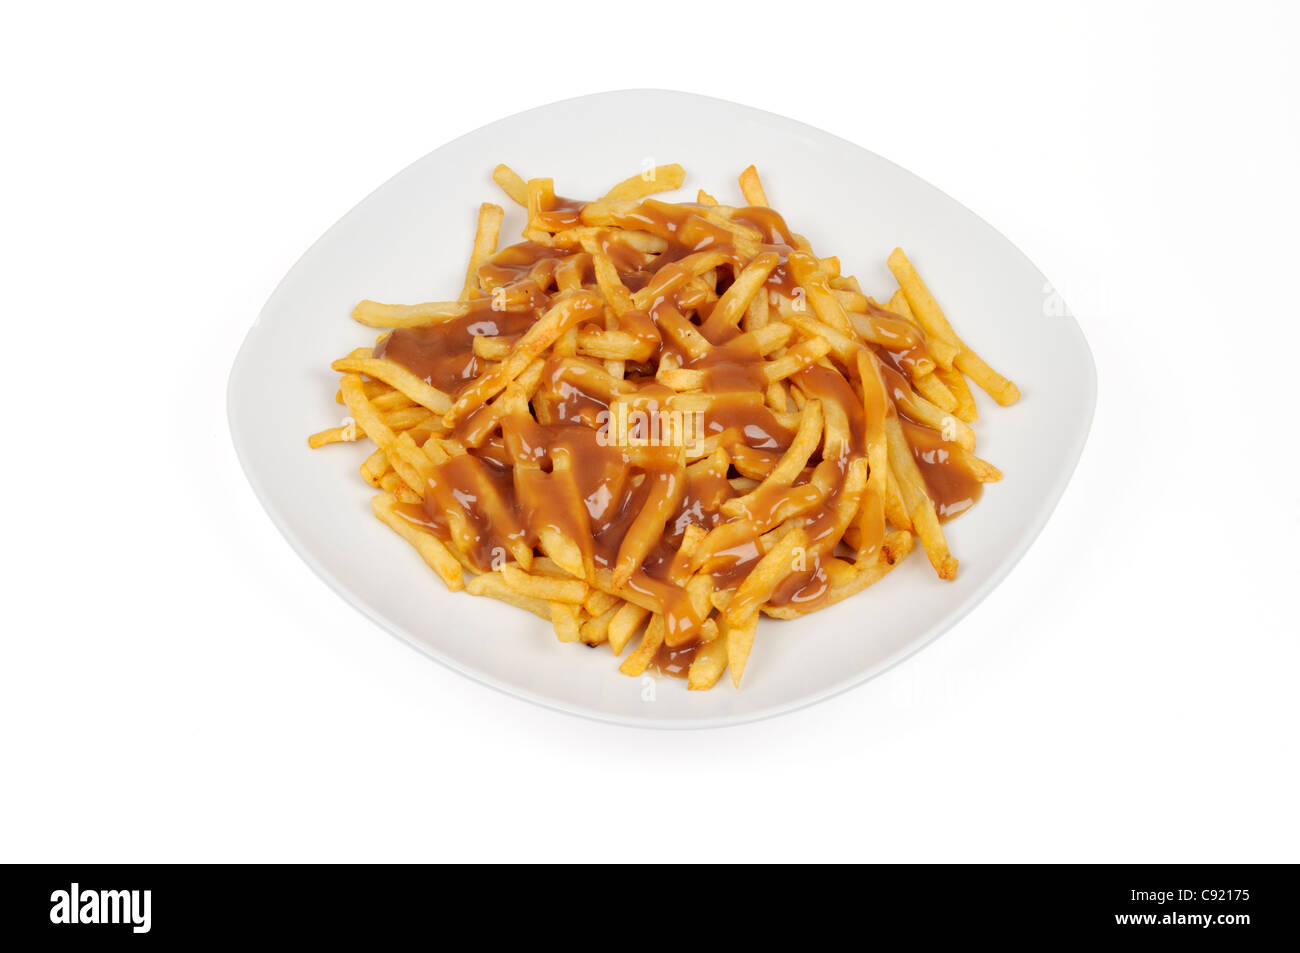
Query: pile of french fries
[[834, 428]]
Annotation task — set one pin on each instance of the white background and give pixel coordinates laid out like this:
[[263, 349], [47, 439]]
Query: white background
[[175, 684]]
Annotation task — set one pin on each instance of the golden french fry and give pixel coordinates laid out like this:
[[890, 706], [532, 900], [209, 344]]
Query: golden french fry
[[375, 315], [926, 523], [806, 439], [943, 350], [536, 339], [895, 549], [364, 414], [663, 178], [374, 467], [739, 640], [344, 434], [511, 184], [920, 409], [390, 372], [683, 333], [732, 306], [391, 483], [566, 620], [666, 491], [932, 318], [845, 347], [640, 659], [388, 399], [759, 585], [626, 621], [916, 497], [430, 548], [609, 345], [752, 187], [485, 244], [595, 629], [609, 281], [804, 267], [933, 389], [493, 348], [708, 665], [492, 585], [875, 407], [796, 359], [955, 381], [675, 276], [895, 508], [924, 308], [1005, 392], [598, 602], [548, 589]]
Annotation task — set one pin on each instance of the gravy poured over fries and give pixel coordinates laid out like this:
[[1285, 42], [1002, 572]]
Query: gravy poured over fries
[[667, 419]]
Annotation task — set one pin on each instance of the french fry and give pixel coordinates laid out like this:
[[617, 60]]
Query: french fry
[[927, 413], [802, 355], [485, 244], [676, 276], [595, 629], [344, 434], [739, 640], [875, 407], [375, 466], [924, 519], [752, 187], [566, 620], [390, 372], [511, 184], [627, 619], [1005, 392], [430, 548], [598, 602], [708, 665], [955, 381], [759, 585], [609, 281], [932, 318], [493, 348], [653, 637], [666, 491], [933, 389], [733, 305], [548, 589], [897, 545], [806, 440], [663, 178], [375, 315], [492, 585], [535, 340], [396, 488]]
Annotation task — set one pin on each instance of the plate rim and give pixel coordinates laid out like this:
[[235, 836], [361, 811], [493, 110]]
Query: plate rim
[[1046, 505]]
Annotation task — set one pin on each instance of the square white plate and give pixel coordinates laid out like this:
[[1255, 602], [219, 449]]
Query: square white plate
[[409, 241]]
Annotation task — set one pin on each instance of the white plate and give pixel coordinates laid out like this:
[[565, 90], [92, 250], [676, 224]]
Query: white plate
[[409, 241]]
